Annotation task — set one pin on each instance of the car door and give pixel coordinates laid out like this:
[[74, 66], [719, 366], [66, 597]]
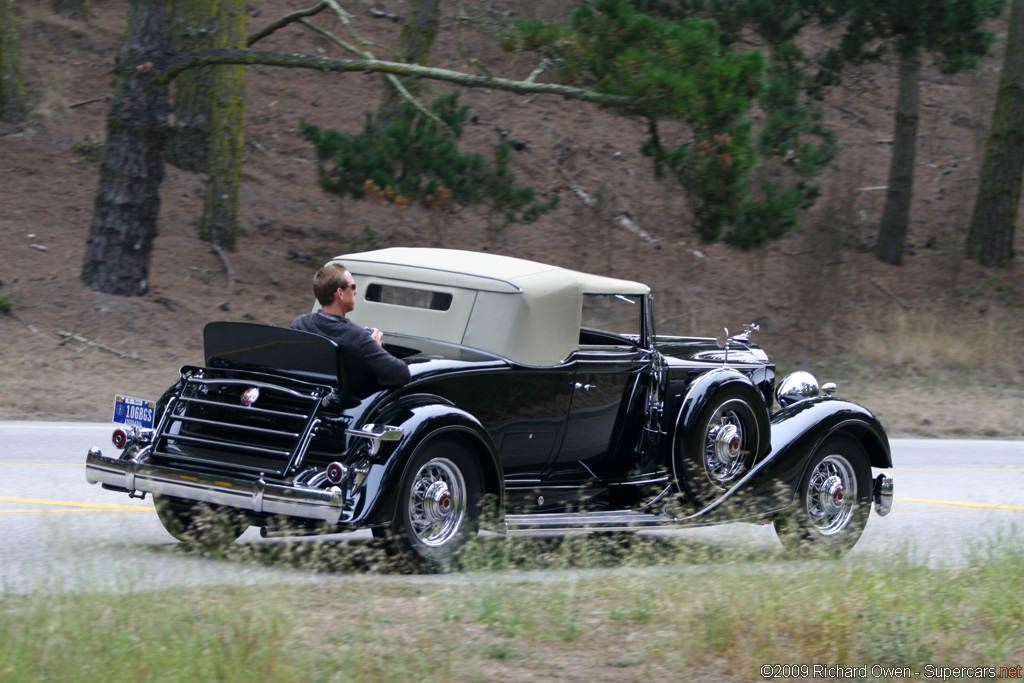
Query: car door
[[608, 403]]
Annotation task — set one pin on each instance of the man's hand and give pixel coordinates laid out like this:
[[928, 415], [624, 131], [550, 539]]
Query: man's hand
[[377, 335]]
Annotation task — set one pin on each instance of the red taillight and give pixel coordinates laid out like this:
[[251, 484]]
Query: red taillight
[[120, 438], [336, 472]]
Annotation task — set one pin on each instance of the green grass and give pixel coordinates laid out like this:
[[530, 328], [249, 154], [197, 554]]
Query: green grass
[[665, 619]]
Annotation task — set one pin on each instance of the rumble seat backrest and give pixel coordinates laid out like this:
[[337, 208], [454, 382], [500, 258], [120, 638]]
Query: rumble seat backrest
[[299, 355]]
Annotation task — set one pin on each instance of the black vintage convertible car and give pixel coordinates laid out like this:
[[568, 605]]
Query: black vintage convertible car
[[544, 390]]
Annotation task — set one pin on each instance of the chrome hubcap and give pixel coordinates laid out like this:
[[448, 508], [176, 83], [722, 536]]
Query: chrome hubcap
[[437, 502], [723, 446], [832, 495]]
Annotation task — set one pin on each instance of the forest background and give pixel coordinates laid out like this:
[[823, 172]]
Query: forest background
[[933, 345]]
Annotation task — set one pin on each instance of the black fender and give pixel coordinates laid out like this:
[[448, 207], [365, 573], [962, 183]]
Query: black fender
[[796, 432], [423, 418], [705, 389]]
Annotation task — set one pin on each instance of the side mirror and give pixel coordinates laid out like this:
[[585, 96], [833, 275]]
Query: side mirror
[[723, 337]]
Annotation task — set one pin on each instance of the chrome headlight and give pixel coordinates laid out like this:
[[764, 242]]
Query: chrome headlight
[[796, 386]]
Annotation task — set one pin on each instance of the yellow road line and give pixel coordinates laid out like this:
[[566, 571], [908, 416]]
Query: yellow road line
[[985, 506], [126, 508], [70, 503], [1004, 468]]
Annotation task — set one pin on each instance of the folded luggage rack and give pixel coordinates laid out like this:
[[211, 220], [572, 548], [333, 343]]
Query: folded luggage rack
[[250, 427]]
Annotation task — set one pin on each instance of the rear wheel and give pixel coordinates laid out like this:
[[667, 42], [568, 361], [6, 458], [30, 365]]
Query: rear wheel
[[833, 501], [438, 506], [199, 524]]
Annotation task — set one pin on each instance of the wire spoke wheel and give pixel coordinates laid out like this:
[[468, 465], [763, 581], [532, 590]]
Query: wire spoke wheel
[[437, 503], [200, 525], [832, 501], [831, 495], [727, 442], [438, 507]]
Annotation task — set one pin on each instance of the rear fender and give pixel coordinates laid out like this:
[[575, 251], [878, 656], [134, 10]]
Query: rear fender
[[424, 418]]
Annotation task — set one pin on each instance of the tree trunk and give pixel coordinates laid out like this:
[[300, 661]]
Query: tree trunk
[[12, 88], [73, 9], [124, 221], [896, 215], [990, 240], [195, 28], [418, 31], [219, 224]]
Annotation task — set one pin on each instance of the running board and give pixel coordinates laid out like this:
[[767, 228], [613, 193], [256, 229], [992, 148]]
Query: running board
[[612, 520]]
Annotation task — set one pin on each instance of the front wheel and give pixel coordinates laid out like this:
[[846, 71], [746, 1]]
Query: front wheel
[[438, 506], [199, 524], [722, 446], [833, 501]]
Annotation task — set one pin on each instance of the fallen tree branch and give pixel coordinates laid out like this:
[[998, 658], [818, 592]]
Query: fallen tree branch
[[105, 98], [227, 264], [855, 115], [381, 14], [621, 217], [889, 292], [625, 221], [102, 347]]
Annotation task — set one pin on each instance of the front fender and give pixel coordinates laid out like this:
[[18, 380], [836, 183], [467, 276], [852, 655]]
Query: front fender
[[422, 419], [798, 430], [699, 395]]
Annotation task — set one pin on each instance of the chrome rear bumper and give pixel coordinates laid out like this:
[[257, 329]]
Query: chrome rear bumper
[[256, 496], [882, 495]]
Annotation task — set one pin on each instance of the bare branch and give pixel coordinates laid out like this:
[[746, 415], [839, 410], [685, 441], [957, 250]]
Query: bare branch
[[190, 60], [346, 19], [331, 37], [394, 80], [381, 14], [105, 98], [472, 61], [228, 270], [284, 21], [103, 347]]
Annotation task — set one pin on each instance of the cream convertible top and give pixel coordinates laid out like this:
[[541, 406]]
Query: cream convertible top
[[521, 310]]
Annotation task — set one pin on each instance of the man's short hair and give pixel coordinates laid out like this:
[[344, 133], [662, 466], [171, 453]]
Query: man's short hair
[[326, 282]]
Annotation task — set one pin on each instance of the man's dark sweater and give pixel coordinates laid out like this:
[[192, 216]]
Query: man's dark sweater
[[370, 367]]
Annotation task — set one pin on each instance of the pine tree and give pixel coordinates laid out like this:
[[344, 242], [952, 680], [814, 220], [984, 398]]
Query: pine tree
[[671, 71], [117, 254], [196, 25], [952, 31], [219, 222], [410, 158], [990, 241], [12, 87]]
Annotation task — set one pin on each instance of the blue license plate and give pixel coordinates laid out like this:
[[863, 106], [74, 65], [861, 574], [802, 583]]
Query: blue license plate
[[137, 412]]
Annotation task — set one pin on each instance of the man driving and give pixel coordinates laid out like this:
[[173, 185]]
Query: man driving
[[370, 367]]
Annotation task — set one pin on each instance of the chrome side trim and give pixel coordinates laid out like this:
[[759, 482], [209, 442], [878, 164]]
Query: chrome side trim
[[273, 499], [376, 434]]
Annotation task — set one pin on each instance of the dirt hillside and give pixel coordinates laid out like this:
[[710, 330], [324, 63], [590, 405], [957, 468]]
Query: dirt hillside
[[814, 293]]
